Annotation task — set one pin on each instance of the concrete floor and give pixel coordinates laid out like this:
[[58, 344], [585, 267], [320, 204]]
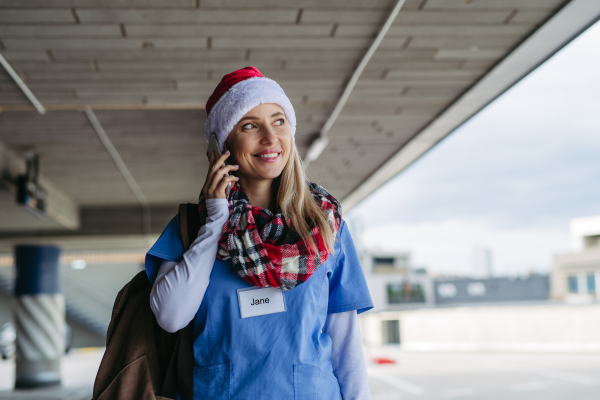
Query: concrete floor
[[423, 376], [79, 369], [489, 376]]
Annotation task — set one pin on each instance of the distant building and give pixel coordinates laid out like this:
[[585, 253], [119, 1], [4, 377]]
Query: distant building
[[457, 291], [394, 284], [482, 262], [399, 290], [576, 275]]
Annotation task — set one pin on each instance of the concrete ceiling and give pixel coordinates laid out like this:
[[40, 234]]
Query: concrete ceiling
[[146, 67]]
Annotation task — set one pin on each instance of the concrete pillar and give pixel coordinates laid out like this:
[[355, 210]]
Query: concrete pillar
[[39, 315]]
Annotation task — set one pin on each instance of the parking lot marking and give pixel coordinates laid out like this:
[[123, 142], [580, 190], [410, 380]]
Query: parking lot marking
[[556, 374], [528, 386], [459, 392], [397, 382]]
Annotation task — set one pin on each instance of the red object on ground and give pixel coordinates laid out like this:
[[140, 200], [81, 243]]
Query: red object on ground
[[383, 361]]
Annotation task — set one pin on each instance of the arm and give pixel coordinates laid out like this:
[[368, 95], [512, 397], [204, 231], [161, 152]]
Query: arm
[[347, 355], [179, 287]]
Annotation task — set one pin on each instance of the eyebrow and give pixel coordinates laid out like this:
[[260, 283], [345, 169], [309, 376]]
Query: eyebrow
[[256, 118]]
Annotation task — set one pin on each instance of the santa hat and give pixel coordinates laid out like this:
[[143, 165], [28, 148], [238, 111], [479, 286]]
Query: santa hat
[[239, 92]]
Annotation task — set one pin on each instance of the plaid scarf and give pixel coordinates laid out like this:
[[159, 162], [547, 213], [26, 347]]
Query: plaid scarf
[[264, 248]]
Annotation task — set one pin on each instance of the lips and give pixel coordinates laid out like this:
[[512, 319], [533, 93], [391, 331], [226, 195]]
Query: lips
[[268, 151], [269, 155]]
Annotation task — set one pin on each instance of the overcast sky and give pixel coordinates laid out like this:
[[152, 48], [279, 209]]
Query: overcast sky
[[510, 179]]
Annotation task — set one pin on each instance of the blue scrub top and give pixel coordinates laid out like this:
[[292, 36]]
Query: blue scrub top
[[282, 356]]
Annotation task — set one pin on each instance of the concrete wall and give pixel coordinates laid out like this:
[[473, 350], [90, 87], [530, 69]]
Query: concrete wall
[[546, 327]]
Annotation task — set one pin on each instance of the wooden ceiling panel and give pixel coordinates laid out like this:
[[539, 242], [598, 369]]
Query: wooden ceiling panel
[[172, 53]]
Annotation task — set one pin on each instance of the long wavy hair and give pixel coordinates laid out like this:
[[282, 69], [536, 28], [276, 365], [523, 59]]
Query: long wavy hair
[[297, 203]]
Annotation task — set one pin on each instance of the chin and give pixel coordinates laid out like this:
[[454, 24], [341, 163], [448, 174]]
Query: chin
[[271, 174]]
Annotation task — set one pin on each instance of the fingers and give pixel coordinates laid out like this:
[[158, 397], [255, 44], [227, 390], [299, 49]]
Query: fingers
[[217, 177], [218, 163], [215, 164], [227, 169], [220, 191]]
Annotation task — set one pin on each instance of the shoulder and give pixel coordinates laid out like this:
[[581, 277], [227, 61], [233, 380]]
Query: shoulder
[[343, 232], [169, 245], [342, 241]]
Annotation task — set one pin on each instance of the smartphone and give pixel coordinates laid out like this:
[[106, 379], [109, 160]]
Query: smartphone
[[213, 146]]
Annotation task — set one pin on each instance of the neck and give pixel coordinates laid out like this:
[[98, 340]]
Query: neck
[[259, 193]]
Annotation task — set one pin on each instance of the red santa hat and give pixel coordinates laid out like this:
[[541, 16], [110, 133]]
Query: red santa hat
[[239, 92]]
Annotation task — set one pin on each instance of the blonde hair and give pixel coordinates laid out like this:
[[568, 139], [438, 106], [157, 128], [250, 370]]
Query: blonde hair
[[297, 203]]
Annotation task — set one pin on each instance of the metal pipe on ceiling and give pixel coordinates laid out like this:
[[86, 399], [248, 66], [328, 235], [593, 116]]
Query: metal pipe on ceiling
[[321, 142], [36, 103], [122, 167]]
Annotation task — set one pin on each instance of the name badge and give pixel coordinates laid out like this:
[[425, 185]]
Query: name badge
[[257, 301]]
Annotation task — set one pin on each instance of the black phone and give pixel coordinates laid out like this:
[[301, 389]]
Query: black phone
[[213, 146]]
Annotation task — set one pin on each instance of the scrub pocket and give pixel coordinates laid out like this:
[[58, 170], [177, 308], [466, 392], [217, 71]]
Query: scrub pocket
[[212, 382], [312, 384], [307, 381], [330, 387]]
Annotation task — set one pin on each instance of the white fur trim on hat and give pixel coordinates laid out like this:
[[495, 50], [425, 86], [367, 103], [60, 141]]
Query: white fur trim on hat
[[241, 98]]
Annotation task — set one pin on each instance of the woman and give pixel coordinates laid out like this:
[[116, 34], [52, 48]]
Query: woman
[[272, 282]]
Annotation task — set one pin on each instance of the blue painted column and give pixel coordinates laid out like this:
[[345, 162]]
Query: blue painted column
[[39, 314]]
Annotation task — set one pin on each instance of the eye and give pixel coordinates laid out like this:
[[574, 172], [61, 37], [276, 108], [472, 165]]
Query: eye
[[280, 122], [247, 126]]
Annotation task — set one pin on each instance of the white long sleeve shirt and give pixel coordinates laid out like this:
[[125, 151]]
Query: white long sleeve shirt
[[179, 289]]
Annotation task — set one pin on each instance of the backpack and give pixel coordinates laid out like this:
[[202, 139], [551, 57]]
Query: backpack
[[142, 360]]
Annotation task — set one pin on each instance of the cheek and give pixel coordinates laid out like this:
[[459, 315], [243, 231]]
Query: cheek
[[243, 151], [288, 155], [288, 148]]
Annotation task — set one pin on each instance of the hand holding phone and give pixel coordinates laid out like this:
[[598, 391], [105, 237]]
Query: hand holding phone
[[218, 181]]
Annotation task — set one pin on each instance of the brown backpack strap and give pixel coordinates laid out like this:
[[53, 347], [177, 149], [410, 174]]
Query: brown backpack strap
[[183, 221], [189, 221]]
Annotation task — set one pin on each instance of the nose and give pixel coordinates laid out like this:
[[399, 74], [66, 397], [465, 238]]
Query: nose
[[269, 136]]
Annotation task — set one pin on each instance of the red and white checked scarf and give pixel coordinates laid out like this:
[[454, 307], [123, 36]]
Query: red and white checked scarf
[[264, 248]]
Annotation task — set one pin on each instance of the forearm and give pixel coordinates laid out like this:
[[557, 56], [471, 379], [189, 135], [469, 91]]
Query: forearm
[[347, 355], [179, 287]]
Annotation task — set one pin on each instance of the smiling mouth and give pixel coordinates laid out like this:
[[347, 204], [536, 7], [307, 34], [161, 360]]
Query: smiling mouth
[[268, 155]]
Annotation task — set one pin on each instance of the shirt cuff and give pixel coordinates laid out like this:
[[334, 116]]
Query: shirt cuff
[[216, 202], [216, 207]]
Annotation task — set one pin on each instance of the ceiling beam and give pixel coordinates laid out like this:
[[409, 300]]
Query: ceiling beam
[[564, 26], [97, 107], [102, 228], [321, 142]]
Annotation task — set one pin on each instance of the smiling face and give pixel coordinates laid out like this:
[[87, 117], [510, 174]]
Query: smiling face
[[260, 143]]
